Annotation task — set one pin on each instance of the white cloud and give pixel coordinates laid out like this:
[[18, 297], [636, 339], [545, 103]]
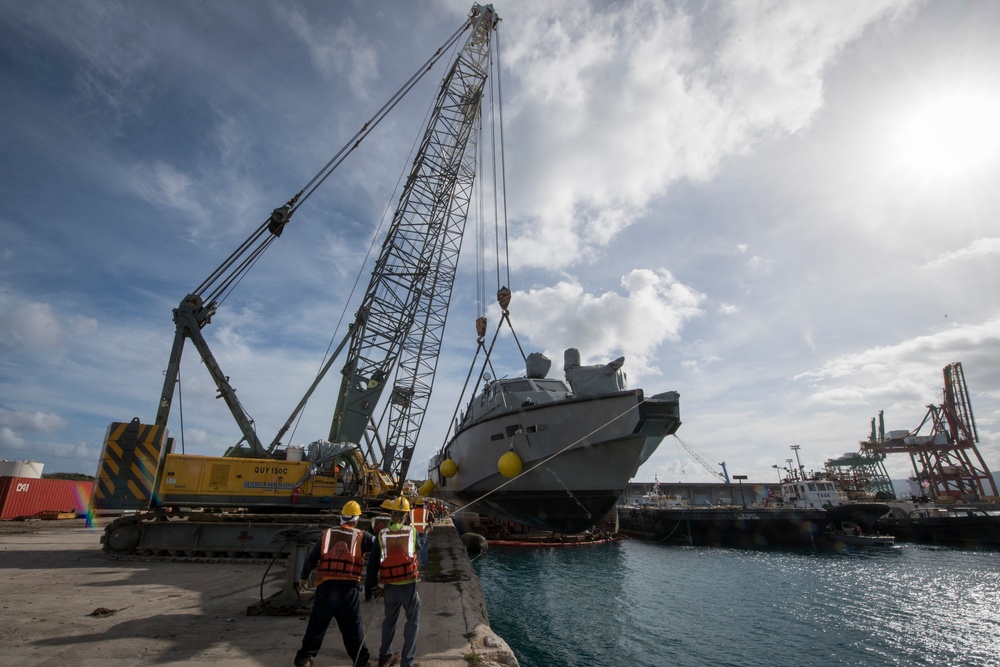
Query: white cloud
[[163, 185], [634, 100], [909, 373], [11, 440], [335, 50], [28, 326], [980, 341], [37, 422], [759, 264], [83, 326], [653, 308], [980, 248]]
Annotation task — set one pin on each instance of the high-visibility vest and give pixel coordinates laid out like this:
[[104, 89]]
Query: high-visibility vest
[[399, 555], [340, 555], [418, 519]]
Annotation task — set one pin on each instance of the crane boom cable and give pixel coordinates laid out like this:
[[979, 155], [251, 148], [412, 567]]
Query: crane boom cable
[[222, 292], [325, 363], [225, 276], [236, 254], [228, 275], [379, 116]]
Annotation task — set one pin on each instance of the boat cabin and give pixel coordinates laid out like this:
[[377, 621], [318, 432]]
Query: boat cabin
[[810, 494], [511, 394]]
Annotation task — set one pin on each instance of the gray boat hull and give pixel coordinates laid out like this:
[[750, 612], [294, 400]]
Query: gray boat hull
[[577, 454]]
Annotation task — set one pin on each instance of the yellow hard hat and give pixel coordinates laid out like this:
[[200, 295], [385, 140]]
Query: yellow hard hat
[[418, 501], [351, 508], [397, 505]]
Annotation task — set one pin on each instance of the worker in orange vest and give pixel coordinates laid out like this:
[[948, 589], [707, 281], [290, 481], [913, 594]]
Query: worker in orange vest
[[395, 562], [338, 557], [420, 520]]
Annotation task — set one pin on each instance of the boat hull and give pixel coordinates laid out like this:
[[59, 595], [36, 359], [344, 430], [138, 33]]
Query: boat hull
[[865, 515], [979, 530], [577, 456], [753, 528], [848, 542]]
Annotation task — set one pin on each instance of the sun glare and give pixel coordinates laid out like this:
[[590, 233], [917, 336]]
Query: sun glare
[[950, 136]]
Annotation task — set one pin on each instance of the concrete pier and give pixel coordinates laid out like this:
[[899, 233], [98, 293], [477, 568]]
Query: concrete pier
[[62, 601]]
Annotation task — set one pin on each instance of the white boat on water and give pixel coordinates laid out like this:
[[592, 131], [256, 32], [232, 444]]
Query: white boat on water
[[850, 535], [575, 443]]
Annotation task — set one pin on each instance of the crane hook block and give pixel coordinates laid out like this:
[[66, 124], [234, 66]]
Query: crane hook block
[[279, 217], [503, 297]]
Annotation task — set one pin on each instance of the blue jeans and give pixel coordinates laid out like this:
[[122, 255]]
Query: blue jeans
[[422, 540], [340, 600], [397, 597]]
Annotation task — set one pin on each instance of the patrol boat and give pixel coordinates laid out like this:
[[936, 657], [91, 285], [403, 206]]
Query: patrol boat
[[552, 454]]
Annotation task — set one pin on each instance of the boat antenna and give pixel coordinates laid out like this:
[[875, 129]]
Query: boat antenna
[[802, 470]]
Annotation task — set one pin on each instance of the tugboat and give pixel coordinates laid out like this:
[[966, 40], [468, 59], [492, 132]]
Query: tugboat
[[805, 515], [551, 454]]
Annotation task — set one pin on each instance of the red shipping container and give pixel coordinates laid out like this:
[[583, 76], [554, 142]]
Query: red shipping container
[[26, 496]]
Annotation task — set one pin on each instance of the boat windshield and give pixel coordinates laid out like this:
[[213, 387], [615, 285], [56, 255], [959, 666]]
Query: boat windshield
[[551, 386], [517, 386]]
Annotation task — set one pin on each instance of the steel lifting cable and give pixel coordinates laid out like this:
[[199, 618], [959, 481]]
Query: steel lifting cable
[[236, 254], [499, 214], [503, 296], [379, 116], [503, 155], [496, 112], [481, 242]]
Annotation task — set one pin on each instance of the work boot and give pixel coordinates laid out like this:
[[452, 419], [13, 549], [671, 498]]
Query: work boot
[[388, 660], [304, 662]]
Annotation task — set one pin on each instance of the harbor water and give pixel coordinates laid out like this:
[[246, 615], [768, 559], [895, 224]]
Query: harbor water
[[643, 604]]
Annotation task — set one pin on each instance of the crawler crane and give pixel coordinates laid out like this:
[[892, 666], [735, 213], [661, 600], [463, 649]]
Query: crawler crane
[[238, 505]]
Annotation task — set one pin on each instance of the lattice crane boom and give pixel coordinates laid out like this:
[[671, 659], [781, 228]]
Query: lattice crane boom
[[401, 318]]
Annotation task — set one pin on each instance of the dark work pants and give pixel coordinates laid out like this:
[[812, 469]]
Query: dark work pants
[[336, 600]]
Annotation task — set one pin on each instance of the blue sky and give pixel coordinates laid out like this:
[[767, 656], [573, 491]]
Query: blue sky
[[787, 212]]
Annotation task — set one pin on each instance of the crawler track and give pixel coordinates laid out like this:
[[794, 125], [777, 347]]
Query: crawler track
[[210, 537]]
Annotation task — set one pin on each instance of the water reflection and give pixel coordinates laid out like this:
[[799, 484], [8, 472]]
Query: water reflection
[[642, 604]]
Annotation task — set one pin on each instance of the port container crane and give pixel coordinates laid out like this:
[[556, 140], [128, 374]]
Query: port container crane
[[946, 461]]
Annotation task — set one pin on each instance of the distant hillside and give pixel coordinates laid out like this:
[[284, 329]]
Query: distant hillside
[[72, 476]]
